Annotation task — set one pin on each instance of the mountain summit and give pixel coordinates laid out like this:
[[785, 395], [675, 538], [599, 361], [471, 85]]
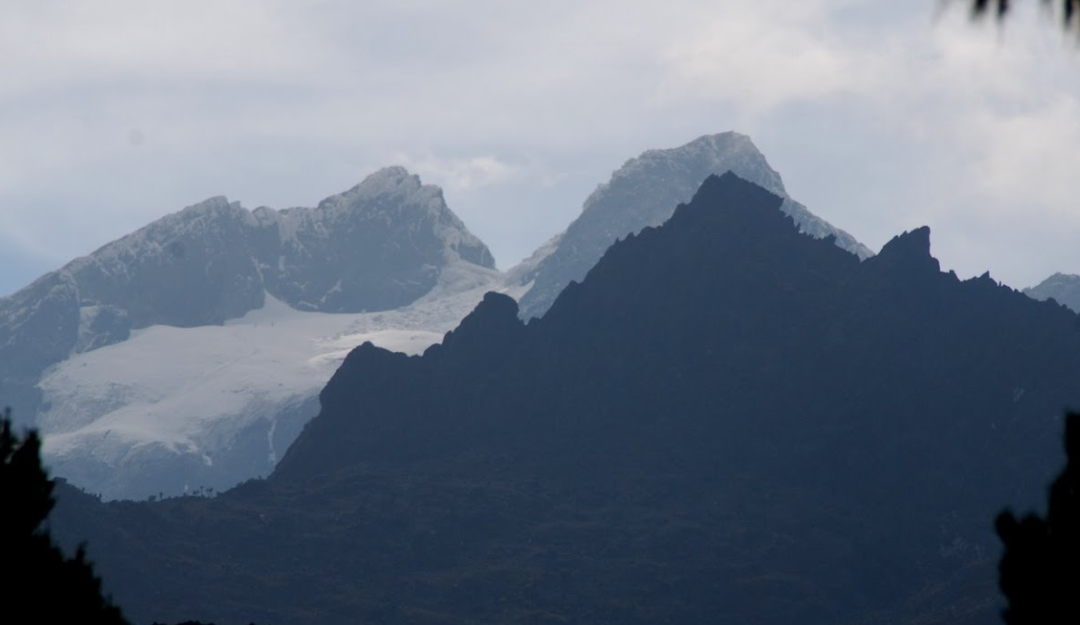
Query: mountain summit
[[725, 421], [644, 192], [1063, 288], [377, 246], [123, 357], [190, 352]]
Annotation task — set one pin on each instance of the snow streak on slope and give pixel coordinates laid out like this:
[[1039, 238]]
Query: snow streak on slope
[[190, 392]]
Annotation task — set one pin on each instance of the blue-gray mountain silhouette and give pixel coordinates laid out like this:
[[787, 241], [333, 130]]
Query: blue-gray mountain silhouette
[[1063, 288], [644, 192], [727, 421], [377, 246]]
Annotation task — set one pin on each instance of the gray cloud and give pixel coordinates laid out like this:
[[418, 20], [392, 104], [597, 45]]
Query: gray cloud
[[880, 117]]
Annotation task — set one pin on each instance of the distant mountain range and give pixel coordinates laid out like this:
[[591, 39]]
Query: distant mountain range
[[190, 353], [725, 421], [1063, 288], [644, 192]]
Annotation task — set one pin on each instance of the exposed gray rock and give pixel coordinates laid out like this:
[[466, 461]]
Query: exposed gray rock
[[644, 192], [378, 246], [187, 269], [1064, 288], [39, 325], [101, 325]]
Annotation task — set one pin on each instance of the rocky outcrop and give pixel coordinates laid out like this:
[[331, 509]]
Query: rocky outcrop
[[1062, 288], [726, 420], [379, 246], [643, 193]]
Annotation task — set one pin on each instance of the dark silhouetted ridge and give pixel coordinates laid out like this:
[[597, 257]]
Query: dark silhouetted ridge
[[642, 193], [725, 421], [909, 251]]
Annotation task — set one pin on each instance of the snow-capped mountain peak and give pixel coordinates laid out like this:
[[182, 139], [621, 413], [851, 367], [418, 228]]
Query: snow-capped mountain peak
[[644, 192], [379, 246], [192, 350], [1062, 287]]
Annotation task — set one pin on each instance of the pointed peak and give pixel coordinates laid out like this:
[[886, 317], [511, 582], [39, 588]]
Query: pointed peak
[[217, 209], [214, 204], [496, 309], [398, 197], [912, 248], [711, 154], [723, 141], [720, 143], [392, 173], [1058, 279], [485, 334], [1062, 287], [393, 180], [215, 201], [913, 243], [729, 188], [728, 178]]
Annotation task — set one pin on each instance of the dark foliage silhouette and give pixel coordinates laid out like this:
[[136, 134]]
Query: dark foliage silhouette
[[1070, 9], [34, 567], [191, 623], [1040, 571]]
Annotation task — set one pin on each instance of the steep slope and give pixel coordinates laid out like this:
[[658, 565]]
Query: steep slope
[[227, 400], [727, 421], [1063, 288], [111, 354], [642, 193], [378, 246]]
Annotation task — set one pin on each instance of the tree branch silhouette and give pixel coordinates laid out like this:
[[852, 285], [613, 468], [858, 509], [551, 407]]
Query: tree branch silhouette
[[41, 583], [1070, 10], [1040, 570]]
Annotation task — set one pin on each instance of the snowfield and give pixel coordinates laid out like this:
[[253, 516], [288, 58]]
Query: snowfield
[[192, 392], [190, 354]]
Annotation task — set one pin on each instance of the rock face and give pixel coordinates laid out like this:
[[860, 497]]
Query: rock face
[[190, 353], [1063, 288], [381, 245], [643, 193], [726, 421], [378, 246]]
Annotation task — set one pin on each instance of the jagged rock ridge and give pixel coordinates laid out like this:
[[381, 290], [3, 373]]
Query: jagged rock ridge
[[123, 421], [379, 246], [725, 421], [642, 193]]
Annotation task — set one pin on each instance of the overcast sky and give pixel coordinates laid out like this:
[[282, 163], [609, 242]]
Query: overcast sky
[[880, 115]]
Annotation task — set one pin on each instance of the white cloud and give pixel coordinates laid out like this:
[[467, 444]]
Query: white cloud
[[64, 44], [459, 174], [878, 117], [758, 56], [1026, 159]]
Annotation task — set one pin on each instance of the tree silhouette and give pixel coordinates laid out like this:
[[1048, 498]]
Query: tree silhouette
[[41, 584], [1040, 571], [1070, 9]]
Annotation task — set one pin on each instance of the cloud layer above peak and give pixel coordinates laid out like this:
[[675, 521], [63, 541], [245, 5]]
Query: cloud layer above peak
[[881, 116]]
